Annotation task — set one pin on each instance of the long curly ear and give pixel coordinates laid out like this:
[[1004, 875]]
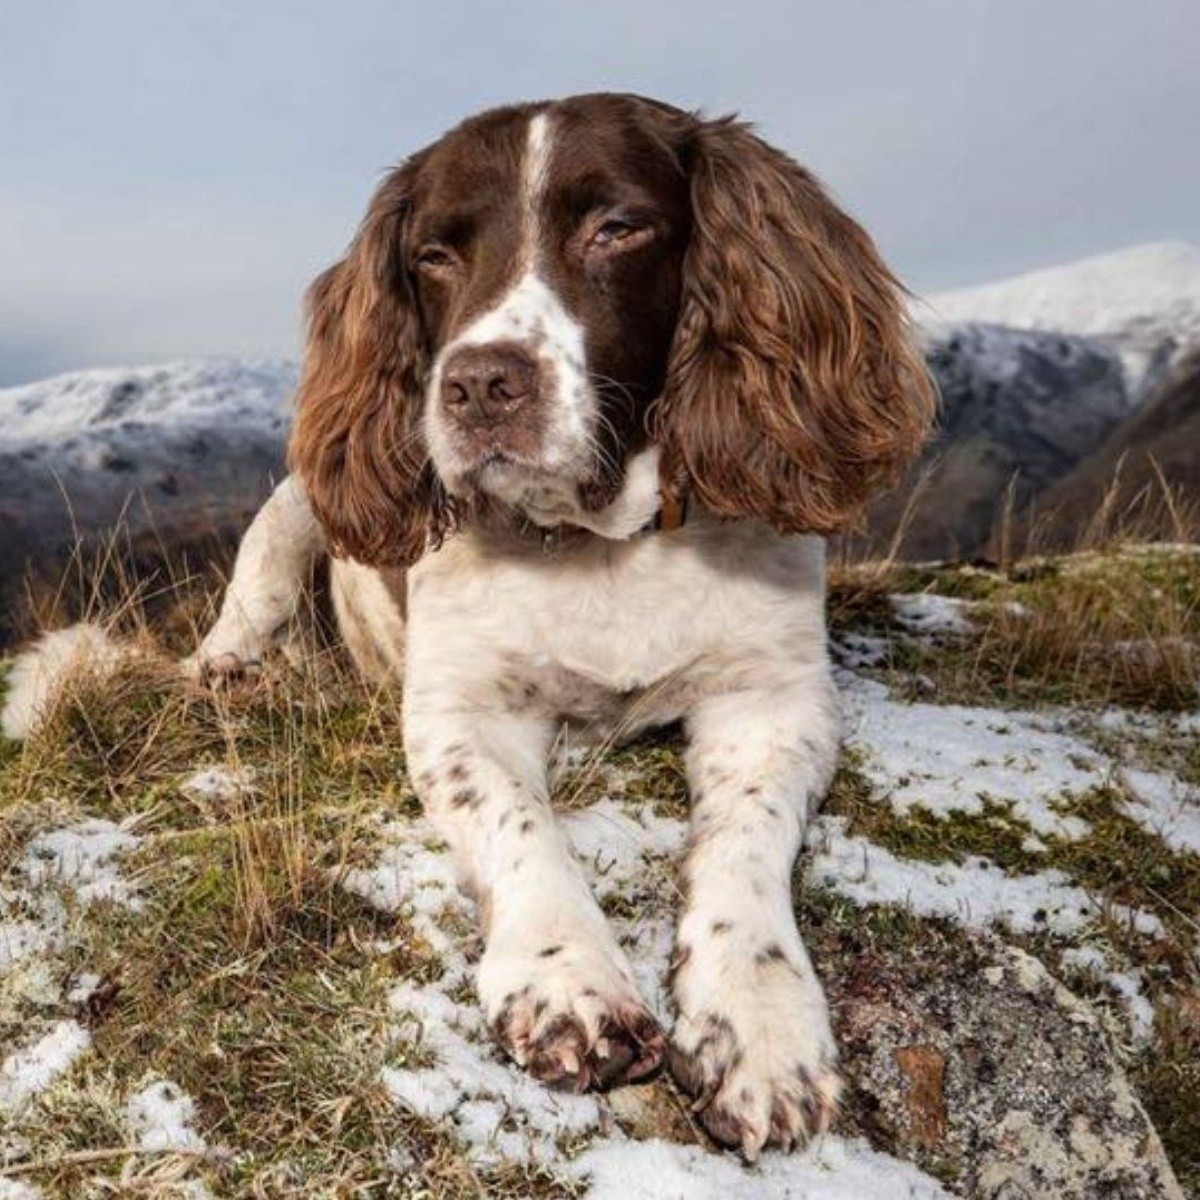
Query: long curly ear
[[793, 389], [357, 441]]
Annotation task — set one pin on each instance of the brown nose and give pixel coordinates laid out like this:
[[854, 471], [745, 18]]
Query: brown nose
[[488, 384]]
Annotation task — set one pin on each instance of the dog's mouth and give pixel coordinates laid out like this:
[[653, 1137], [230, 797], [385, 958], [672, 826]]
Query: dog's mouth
[[498, 468], [547, 496]]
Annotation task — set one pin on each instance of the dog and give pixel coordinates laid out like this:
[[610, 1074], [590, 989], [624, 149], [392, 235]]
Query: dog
[[579, 405]]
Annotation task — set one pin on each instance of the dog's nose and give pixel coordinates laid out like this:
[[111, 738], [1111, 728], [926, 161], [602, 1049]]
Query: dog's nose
[[488, 383]]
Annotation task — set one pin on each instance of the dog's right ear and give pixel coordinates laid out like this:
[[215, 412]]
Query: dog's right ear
[[357, 442]]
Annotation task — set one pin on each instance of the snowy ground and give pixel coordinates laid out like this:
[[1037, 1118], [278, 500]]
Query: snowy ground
[[948, 762]]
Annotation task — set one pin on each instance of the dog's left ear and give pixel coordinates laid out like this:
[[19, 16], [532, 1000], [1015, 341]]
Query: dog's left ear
[[793, 389]]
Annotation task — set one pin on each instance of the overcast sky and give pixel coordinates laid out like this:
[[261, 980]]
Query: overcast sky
[[172, 173]]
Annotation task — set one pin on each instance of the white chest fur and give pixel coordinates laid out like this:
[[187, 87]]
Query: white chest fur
[[659, 615]]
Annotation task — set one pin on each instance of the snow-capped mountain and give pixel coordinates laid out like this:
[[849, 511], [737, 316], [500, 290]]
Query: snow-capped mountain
[[177, 453], [1144, 301], [205, 393]]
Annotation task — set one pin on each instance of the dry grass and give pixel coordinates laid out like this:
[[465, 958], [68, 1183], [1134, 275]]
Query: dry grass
[[1088, 629], [1158, 511], [250, 978]]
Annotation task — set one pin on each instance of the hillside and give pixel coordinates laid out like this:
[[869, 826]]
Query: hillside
[[1159, 442], [1019, 410], [234, 962], [179, 456]]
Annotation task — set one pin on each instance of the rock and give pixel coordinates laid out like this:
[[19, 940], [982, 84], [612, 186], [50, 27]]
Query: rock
[[990, 1073], [963, 1056], [925, 1069], [1019, 410]]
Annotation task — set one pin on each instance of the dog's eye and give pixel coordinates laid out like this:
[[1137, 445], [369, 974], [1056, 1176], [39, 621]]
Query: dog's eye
[[434, 258], [618, 233]]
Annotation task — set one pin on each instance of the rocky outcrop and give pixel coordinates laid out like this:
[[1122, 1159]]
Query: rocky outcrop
[[1019, 411], [983, 1068]]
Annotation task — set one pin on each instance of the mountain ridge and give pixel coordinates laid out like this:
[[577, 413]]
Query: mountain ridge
[[1142, 300]]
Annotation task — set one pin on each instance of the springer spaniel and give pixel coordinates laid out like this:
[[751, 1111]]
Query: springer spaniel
[[590, 383]]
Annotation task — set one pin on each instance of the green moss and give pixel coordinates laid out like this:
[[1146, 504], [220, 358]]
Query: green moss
[[1167, 743], [646, 771], [1122, 862], [994, 832]]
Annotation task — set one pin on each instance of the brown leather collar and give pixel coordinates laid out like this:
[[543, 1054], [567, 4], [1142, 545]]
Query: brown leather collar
[[672, 514]]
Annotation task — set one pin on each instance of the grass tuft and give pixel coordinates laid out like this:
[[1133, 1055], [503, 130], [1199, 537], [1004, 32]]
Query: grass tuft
[[1086, 630]]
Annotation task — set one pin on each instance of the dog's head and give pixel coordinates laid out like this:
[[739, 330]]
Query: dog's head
[[550, 287]]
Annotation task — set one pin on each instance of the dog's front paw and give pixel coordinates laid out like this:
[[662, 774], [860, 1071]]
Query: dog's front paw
[[570, 1014], [753, 1046], [226, 671]]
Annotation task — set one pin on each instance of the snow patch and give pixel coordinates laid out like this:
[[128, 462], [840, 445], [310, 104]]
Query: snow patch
[[834, 1169], [38, 931], [216, 392], [618, 844], [31, 1070], [928, 614], [81, 857], [949, 758], [218, 783], [1127, 984], [161, 1116], [1140, 300], [16, 1189], [1166, 806], [83, 987], [975, 893], [856, 651]]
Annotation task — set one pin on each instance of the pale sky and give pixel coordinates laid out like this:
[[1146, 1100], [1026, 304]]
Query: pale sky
[[172, 173]]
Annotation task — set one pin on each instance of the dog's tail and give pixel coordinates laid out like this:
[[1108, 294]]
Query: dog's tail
[[39, 675]]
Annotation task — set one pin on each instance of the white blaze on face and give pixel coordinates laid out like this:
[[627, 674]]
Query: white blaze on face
[[531, 315]]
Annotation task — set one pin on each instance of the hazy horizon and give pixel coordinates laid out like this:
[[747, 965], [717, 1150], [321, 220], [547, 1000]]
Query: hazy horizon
[[173, 178]]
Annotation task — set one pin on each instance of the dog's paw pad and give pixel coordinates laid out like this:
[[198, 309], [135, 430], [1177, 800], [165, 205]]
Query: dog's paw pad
[[628, 1047]]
